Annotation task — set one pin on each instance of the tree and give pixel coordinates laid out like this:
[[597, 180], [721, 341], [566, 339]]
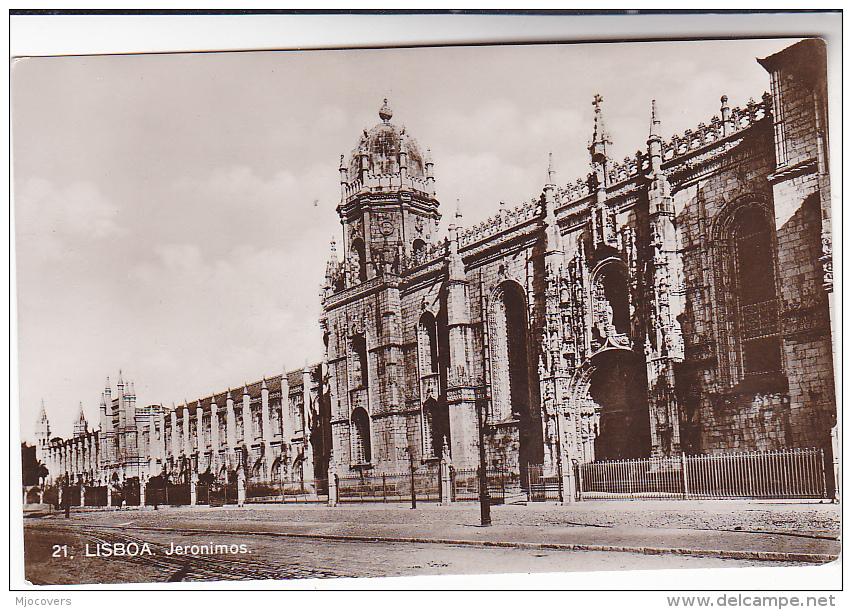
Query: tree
[[32, 470]]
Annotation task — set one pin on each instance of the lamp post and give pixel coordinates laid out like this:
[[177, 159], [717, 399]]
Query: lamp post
[[411, 469], [484, 498], [561, 497]]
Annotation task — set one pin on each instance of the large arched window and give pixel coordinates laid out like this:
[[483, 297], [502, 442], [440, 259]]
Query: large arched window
[[427, 344], [361, 450], [757, 300], [749, 343], [510, 376]]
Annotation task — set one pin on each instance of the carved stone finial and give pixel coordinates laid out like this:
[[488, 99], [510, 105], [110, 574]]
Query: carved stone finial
[[385, 113]]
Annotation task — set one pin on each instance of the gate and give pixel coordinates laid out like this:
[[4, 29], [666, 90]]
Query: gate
[[540, 487]]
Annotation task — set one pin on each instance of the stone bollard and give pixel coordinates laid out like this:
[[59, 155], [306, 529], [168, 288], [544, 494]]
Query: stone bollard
[[193, 493], [82, 495], [143, 488]]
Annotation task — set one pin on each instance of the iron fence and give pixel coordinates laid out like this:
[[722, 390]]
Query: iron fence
[[305, 490], [394, 487], [96, 495], [795, 473], [542, 487], [504, 485]]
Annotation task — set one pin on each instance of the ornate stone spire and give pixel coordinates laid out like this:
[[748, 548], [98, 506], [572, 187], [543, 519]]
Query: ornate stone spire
[[550, 172], [600, 139], [456, 269], [81, 426]]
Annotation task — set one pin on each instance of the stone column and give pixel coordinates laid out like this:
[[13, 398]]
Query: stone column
[[214, 437], [265, 425], [82, 495], [230, 449], [307, 394], [187, 435], [199, 434], [248, 432], [248, 427], [461, 393], [175, 438]]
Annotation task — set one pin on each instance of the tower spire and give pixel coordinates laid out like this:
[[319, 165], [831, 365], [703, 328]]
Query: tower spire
[[550, 172], [600, 139]]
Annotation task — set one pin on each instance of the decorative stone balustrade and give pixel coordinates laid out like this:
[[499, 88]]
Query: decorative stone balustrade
[[499, 223], [738, 120], [382, 182]]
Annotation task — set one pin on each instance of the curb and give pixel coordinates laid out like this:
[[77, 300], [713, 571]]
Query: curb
[[816, 558]]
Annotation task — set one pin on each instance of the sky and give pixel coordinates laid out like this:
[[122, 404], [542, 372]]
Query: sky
[[173, 212]]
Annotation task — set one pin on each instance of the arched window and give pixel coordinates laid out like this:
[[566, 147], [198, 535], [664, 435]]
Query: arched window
[[746, 310], [418, 251], [360, 373], [510, 375], [361, 451], [757, 301], [360, 258], [427, 344]]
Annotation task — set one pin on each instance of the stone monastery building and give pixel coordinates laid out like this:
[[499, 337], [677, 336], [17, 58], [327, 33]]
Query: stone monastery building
[[677, 301]]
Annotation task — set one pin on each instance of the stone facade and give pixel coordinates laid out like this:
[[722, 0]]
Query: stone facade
[[676, 301], [273, 430]]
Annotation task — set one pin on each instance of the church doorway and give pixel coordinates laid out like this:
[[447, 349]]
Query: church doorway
[[619, 388]]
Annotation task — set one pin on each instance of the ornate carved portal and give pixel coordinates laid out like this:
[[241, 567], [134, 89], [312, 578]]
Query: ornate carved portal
[[609, 407]]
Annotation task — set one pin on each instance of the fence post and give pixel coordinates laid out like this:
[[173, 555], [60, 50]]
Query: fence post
[[384, 488], [685, 476], [332, 489], [822, 470], [444, 474], [578, 468]]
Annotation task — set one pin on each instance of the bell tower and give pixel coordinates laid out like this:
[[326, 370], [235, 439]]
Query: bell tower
[[387, 202]]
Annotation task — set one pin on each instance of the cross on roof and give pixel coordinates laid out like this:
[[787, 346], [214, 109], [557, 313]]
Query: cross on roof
[[597, 101]]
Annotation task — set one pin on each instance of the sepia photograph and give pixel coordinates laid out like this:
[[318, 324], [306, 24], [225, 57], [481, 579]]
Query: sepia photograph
[[554, 305]]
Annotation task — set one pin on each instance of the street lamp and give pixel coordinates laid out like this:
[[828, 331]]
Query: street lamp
[[484, 498]]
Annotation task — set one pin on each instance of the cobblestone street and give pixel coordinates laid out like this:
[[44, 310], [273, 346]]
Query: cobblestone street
[[297, 542]]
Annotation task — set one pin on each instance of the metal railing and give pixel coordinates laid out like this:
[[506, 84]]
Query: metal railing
[[304, 490], [795, 473], [394, 487], [504, 485]]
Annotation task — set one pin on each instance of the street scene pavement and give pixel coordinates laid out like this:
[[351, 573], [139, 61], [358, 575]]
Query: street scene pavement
[[314, 541]]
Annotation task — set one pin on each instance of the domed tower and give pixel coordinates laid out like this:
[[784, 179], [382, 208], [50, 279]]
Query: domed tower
[[387, 201]]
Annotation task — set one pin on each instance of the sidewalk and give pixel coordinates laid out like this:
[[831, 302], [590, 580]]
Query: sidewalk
[[802, 532]]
